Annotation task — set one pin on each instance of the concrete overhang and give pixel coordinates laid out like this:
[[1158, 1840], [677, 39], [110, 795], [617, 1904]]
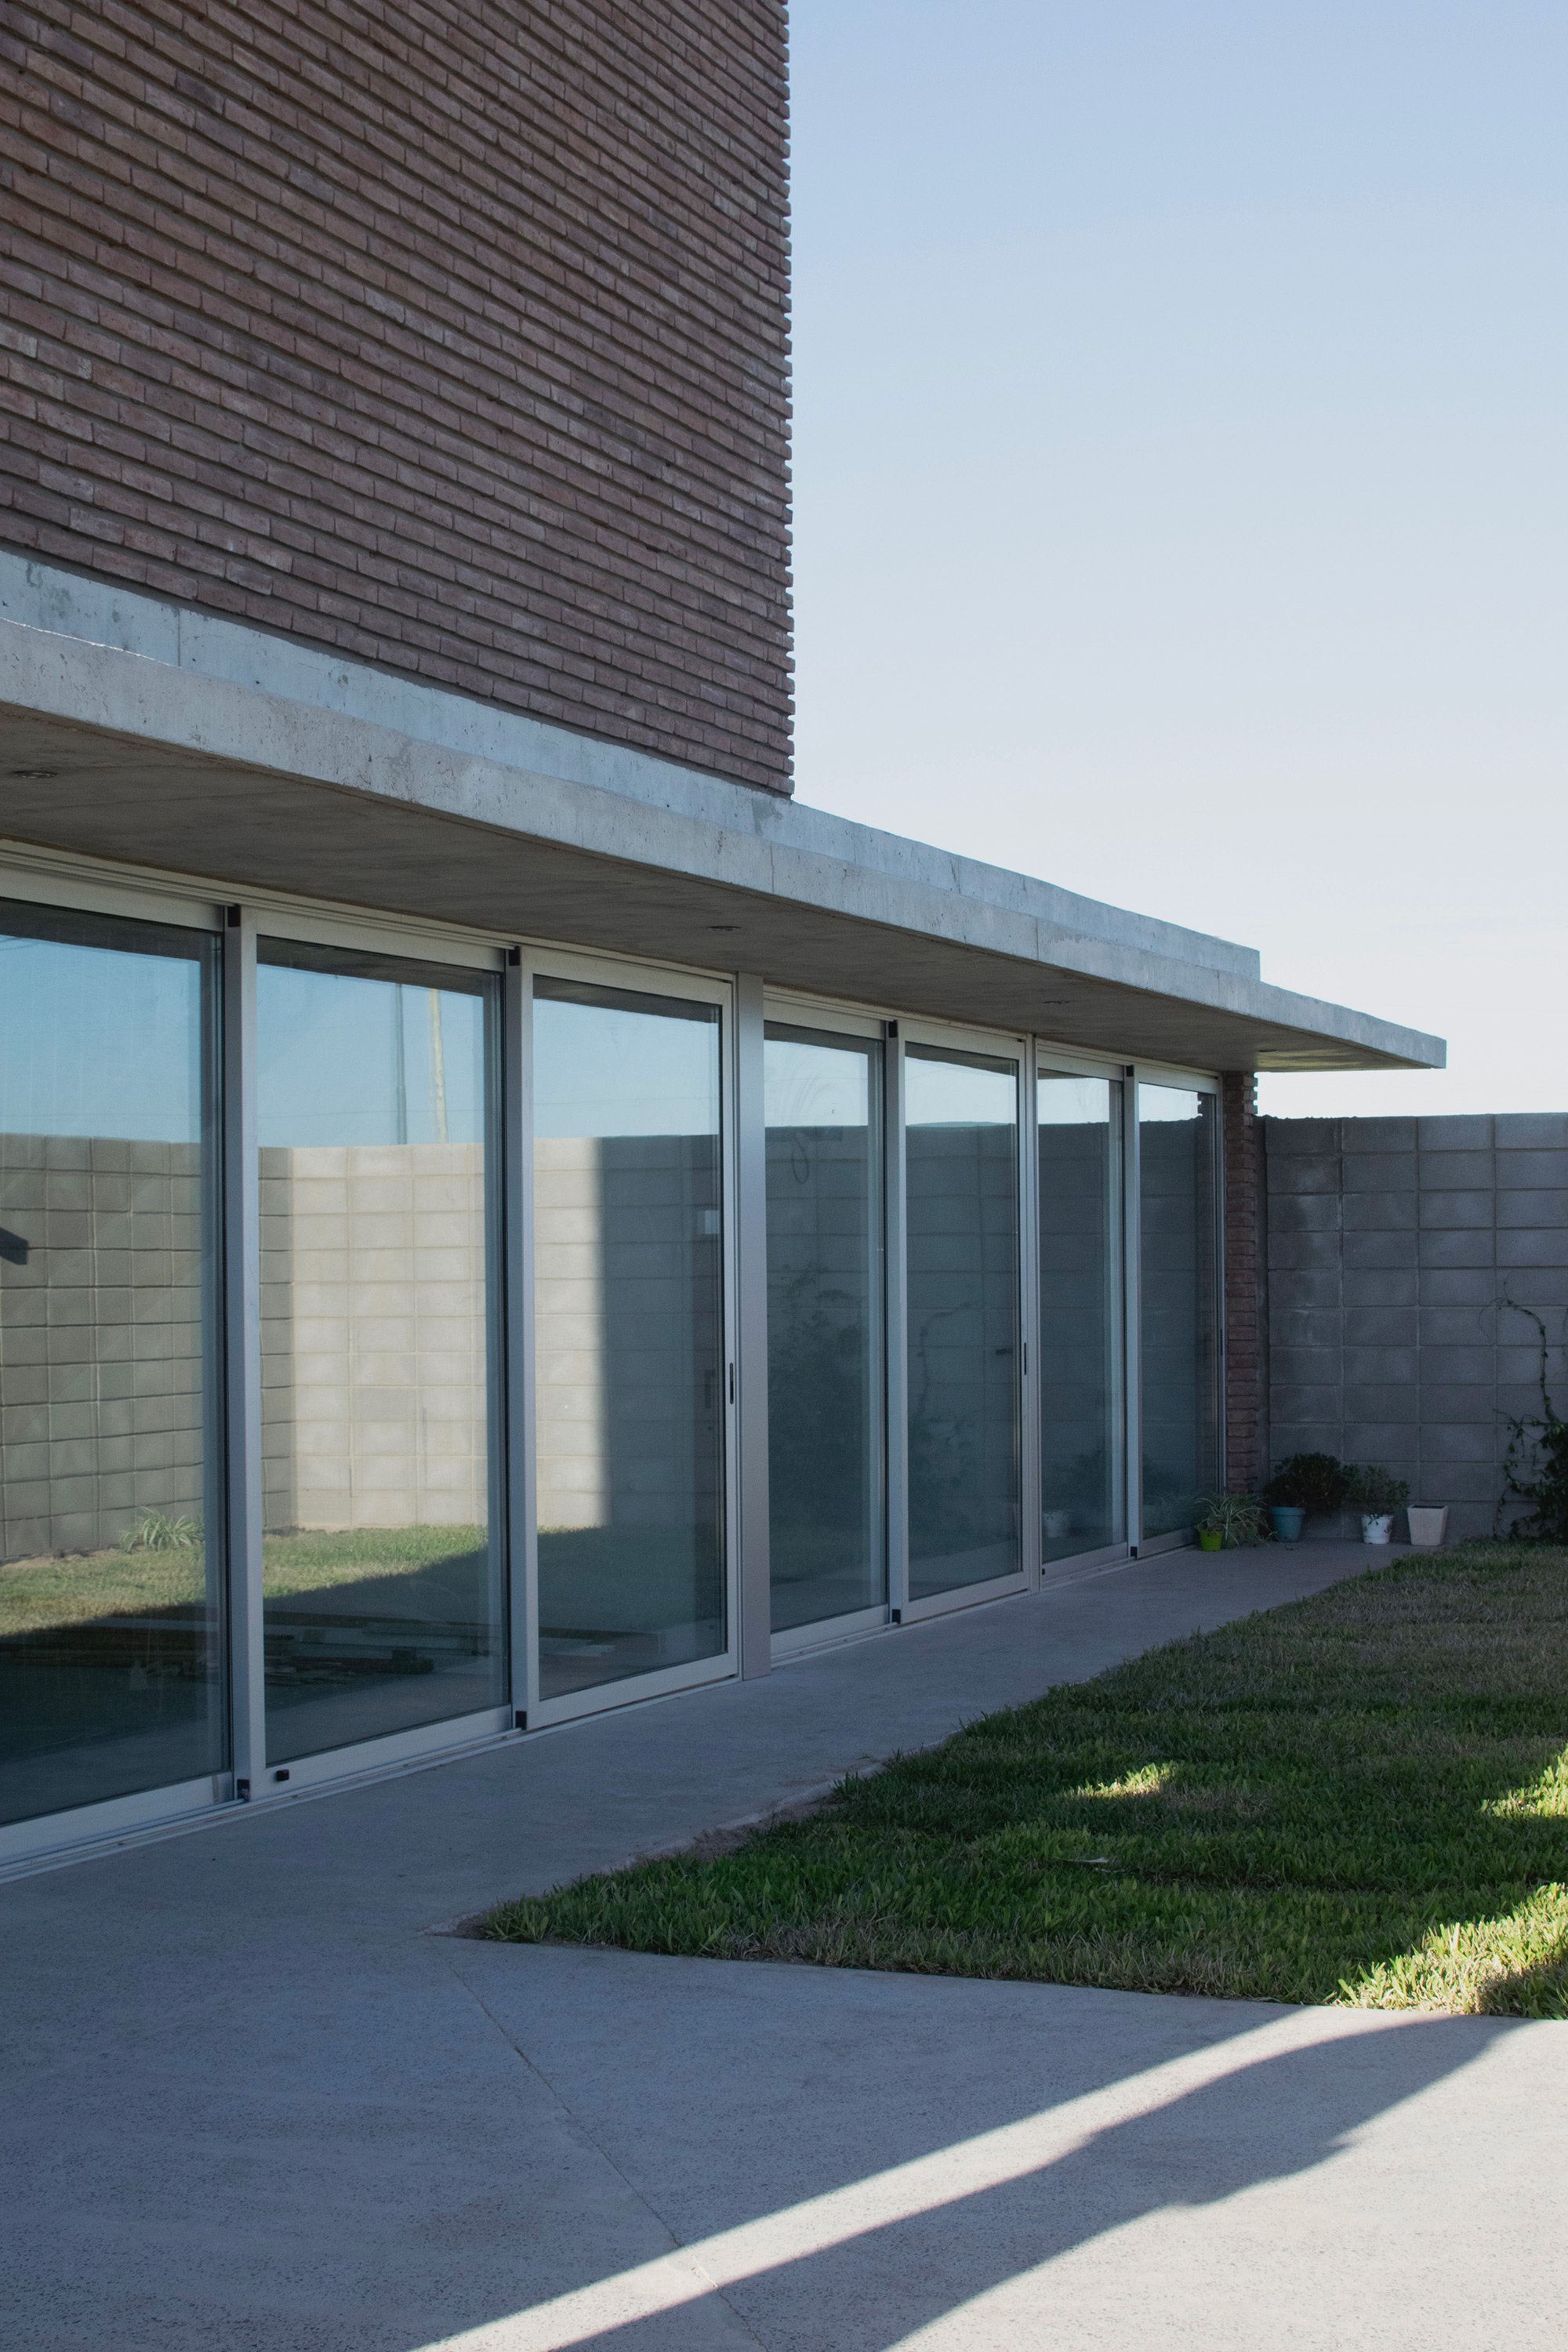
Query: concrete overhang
[[139, 732]]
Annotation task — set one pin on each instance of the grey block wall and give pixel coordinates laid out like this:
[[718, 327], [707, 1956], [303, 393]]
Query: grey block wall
[[1398, 1251], [101, 1339]]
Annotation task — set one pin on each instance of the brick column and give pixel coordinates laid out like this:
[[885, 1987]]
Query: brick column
[[1244, 1274]]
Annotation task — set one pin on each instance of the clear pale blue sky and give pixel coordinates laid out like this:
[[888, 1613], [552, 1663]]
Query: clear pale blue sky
[[1180, 481]]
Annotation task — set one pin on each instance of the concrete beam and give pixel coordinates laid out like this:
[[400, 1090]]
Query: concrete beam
[[175, 741]]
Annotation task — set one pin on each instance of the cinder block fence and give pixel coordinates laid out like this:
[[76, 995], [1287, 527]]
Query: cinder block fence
[[1399, 1253]]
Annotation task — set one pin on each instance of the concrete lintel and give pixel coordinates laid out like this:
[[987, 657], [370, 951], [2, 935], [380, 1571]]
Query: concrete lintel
[[160, 757]]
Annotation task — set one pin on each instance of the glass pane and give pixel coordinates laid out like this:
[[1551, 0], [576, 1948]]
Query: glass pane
[[381, 1581], [110, 1659], [1081, 1308], [630, 1334], [960, 1118], [825, 1323], [1180, 1322]]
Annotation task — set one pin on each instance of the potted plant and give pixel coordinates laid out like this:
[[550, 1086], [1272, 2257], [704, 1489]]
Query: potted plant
[[1305, 1485], [1428, 1522], [1377, 1495], [1229, 1520]]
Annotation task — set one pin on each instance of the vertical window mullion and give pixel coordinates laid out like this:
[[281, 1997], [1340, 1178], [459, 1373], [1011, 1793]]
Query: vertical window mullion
[[750, 1508], [897, 1383], [242, 1275], [516, 1347], [1031, 1434], [1132, 1301]]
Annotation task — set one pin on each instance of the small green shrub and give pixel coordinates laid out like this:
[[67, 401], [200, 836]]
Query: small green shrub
[[155, 1531], [1234, 1518], [1315, 1483], [1377, 1492]]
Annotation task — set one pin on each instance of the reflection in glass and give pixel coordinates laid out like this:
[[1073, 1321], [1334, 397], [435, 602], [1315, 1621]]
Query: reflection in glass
[[824, 1261], [960, 1116], [1081, 1308], [382, 1597], [630, 1334], [1179, 1319], [111, 1554]]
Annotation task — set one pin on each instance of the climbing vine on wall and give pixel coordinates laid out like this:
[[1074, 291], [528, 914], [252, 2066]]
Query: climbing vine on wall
[[1538, 1443]]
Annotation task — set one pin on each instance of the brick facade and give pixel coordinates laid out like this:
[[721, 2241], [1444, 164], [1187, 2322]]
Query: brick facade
[[1246, 1463], [453, 338]]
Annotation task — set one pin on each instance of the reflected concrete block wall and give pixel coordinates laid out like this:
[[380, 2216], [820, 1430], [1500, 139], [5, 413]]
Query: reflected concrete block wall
[[1395, 1247], [100, 1339], [372, 1336], [962, 1189], [1180, 1339], [819, 1328], [1075, 1384], [571, 1372], [627, 1272]]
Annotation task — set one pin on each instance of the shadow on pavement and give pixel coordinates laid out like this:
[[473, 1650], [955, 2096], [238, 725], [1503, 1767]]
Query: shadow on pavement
[[1276, 2118]]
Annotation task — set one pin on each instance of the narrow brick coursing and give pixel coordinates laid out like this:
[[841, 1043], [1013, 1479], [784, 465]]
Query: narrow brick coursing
[[452, 338]]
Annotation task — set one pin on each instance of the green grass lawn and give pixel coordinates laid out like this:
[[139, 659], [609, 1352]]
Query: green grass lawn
[[1360, 1797]]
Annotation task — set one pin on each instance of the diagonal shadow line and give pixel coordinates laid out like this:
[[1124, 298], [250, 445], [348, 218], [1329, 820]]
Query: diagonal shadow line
[[706, 2283], [913, 2244]]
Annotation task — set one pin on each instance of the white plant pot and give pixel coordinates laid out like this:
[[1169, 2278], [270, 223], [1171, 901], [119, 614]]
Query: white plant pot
[[1428, 1523], [1378, 1528]]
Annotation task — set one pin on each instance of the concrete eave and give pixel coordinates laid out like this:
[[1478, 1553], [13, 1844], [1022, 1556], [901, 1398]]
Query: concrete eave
[[340, 783]]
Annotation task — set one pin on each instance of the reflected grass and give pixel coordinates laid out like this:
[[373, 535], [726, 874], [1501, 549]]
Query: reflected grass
[[40, 1594], [1357, 1799]]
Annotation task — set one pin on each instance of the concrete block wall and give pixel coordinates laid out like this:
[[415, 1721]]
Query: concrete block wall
[[1245, 1336], [1394, 1247], [101, 1339]]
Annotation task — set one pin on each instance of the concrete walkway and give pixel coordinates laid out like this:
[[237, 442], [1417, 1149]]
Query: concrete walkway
[[254, 2100]]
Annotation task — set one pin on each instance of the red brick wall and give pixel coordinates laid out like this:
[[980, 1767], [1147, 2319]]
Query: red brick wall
[[450, 336], [1245, 1465]]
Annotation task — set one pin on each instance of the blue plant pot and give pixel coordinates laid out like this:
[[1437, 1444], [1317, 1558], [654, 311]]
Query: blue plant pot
[[1287, 1521]]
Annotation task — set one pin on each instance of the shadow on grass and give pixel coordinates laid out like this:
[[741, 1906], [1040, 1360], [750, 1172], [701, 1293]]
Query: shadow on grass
[[1359, 1797]]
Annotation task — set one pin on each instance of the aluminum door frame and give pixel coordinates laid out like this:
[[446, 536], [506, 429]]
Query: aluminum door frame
[[997, 1046], [1201, 1082], [255, 1781], [1051, 1060], [635, 976], [803, 1012]]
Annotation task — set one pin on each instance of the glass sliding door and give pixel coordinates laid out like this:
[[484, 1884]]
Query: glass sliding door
[[1179, 1319], [631, 1380], [824, 1094], [961, 1274], [1083, 1488], [383, 1583], [111, 1666]]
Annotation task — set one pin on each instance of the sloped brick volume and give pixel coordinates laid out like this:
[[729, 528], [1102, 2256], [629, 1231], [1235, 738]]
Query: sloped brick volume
[[451, 337]]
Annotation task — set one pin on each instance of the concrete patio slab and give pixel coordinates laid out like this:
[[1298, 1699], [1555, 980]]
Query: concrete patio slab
[[253, 2100]]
